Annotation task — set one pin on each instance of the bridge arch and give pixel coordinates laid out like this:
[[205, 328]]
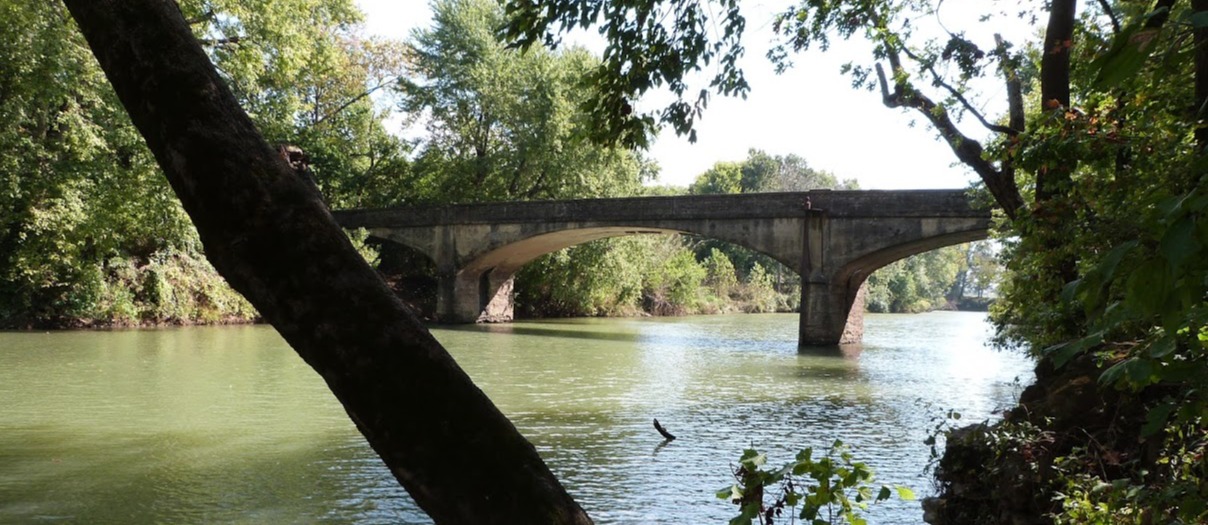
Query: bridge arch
[[481, 289], [839, 302], [857, 270]]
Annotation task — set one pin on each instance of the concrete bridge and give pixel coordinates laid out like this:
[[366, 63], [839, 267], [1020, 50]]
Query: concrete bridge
[[833, 239]]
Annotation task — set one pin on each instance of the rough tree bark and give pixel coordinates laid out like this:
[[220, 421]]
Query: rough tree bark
[[269, 235], [1055, 89]]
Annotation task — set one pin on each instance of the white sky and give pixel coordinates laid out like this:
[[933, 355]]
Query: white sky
[[811, 111]]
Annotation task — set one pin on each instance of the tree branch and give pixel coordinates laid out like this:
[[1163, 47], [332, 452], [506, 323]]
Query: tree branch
[[1015, 111], [220, 41], [1055, 61], [1159, 14], [204, 17], [960, 97], [1001, 184], [1016, 118], [666, 435], [352, 101], [969, 151], [1111, 15]]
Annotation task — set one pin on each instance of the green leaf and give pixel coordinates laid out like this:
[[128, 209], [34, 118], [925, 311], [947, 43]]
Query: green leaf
[[1127, 55], [1141, 372], [754, 461], [1061, 353], [1198, 20], [1179, 243], [905, 494], [1162, 347], [1073, 288], [810, 510], [884, 494], [730, 493], [1148, 287], [1155, 420], [1134, 371], [1172, 206], [1108, 264], [1112, 375], [804, 455]]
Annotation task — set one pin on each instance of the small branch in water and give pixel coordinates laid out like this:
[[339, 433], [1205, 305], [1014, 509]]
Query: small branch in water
[[666, 435]]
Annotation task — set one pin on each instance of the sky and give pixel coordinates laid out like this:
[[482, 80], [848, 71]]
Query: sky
[[811, 110]]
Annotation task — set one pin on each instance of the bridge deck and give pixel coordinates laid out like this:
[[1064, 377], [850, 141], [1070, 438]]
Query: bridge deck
[[858, 203]]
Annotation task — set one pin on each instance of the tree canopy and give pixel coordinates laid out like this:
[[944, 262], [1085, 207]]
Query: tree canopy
[[89, 228], [501, 124]]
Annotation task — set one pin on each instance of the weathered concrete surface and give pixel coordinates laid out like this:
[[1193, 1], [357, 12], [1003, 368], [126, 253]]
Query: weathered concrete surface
[[478, 247]]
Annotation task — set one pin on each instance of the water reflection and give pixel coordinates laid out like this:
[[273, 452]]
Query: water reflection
[[546, 330], [228, 425]]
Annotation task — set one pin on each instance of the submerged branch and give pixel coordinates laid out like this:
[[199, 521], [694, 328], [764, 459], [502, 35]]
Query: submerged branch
[[666, 435]]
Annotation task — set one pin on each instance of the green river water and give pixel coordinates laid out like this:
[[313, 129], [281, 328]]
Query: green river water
[[228, 425]]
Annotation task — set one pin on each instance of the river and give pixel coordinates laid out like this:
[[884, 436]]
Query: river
[[228, 425]]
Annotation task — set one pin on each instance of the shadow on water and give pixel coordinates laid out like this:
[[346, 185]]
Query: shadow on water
[[552, 329], [849, 351], [543, 331], [57, 473]]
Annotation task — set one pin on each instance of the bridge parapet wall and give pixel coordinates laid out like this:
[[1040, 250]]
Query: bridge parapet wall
[[860, 203]]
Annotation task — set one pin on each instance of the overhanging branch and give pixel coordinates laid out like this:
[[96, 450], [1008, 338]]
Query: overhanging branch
[[960, 97], [968, 150]]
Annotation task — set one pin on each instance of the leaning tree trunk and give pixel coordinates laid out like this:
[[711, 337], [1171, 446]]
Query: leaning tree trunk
[[269, 234]]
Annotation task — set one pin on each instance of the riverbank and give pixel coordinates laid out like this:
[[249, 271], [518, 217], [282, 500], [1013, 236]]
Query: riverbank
[[204, 309], [1075, 451], [170, 288]]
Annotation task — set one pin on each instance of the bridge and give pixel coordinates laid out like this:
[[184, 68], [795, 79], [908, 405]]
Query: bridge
[[832, 239]]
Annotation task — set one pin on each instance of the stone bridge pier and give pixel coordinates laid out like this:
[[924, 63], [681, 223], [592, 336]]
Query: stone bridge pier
[[469, 296], [833, 239]]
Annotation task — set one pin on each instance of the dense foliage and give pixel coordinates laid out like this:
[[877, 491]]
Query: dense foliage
[[90, 232], [88, 228], [833, 488], [500, 124]]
